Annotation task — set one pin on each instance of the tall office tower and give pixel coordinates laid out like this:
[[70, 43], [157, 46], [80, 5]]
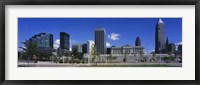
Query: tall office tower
[[160, 37], [138, 41], [100, 40], [180, 48], [90, 45], [171, 48], [44, 42], [84, 48], [64, 40]]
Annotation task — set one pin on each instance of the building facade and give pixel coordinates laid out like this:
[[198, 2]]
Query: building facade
[[116, 50], [160, 46], [127, 49], [64, 40], [44, 42], [171, 48], [90, 45], [100, 40], [84, 48], [180, 48], [108, 51], [77, 48]]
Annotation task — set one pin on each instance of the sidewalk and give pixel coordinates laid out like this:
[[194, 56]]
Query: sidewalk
[[52, 64]]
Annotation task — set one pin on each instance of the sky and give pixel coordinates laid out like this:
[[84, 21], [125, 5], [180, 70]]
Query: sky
[[119, 31]]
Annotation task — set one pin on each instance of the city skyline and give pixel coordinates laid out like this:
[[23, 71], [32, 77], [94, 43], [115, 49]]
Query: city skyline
[[119, 31]]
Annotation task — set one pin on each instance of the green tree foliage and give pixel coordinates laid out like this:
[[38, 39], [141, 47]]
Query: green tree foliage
[[110, 57], [30, 49], [67, 54], [95, 55], [142, 57], [169, 58], [77, 55], [125, 56], [154, 57], [44, 55]]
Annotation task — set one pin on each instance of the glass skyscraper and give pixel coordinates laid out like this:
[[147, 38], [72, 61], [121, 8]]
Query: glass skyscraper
[[44, 42], [100, 40], [64, 40]]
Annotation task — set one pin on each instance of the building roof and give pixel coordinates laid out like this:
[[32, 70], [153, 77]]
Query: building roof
[[100, 29], [139, 47], [127, 45], [115, 47], [160, 21], [64, 33]]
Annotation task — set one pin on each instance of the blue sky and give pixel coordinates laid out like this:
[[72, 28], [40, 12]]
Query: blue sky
[[120, 31]]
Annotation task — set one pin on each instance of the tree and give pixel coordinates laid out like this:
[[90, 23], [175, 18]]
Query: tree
[[125, 56], [44, 55], [67, 54], [110, 57], [95, 55], [77, 55], [154, 57], [141, 54], [171, 58], [29, 49]]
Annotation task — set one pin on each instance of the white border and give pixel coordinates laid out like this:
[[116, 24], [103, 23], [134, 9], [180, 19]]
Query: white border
[[186, 72]]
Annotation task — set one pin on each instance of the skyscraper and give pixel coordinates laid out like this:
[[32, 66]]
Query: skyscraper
[[167, 45], [84, 48], [100, 40], [171, 48], [43, 40], [44, 43], [64, 40], [160, 45], [138, 41], [180, 48], [90, 44]]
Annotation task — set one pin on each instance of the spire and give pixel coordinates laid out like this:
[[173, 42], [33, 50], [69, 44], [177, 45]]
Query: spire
[[167, 41], [167, 44], [160, 21]]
